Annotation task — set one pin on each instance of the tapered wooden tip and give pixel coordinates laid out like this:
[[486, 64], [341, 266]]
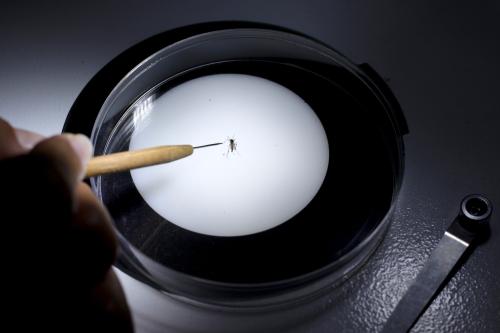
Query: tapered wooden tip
[[134, 159]]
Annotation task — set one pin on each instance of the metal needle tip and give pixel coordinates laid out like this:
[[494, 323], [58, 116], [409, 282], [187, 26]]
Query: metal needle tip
[[212, 144]]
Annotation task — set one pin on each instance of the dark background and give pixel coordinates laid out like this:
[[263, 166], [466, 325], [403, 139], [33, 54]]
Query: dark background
[[441, 60]]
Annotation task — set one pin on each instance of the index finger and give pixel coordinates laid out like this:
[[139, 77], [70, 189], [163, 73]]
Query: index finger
[[68, 154]]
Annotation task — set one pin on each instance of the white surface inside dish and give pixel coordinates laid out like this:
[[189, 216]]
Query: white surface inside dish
[[279, 164]]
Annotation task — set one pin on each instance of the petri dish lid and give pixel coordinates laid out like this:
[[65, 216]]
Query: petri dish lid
[[357, 165]]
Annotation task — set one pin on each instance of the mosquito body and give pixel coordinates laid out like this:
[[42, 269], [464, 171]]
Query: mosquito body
[[232, 145], [231, 148]]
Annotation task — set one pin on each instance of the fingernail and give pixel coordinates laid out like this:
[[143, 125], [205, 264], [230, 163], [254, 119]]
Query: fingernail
[[82, 146]]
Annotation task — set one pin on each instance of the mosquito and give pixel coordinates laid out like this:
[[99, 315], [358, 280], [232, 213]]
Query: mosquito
[[231, 148]]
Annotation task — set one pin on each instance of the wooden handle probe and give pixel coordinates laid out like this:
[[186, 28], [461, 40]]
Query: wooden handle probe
[[136, 159]]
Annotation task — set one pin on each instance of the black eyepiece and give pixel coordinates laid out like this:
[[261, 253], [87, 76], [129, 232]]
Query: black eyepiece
[[475, 212], [476, 207]]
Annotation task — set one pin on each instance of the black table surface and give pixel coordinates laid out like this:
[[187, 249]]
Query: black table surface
[[442, 60]]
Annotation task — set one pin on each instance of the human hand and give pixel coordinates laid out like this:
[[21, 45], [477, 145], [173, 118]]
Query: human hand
[[58, 243]]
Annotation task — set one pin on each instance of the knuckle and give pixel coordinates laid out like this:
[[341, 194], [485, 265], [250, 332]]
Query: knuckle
[[10, 145]]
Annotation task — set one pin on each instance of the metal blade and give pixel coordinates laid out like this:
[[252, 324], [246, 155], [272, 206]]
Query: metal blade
[[421, 291]]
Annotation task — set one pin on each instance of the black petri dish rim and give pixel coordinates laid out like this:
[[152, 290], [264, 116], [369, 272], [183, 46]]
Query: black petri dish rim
[[364, 90]]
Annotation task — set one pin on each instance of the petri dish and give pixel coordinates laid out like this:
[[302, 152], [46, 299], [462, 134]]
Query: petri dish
[[296, 197]]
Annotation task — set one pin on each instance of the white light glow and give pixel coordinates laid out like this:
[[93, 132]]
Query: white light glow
[[278, 166]]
